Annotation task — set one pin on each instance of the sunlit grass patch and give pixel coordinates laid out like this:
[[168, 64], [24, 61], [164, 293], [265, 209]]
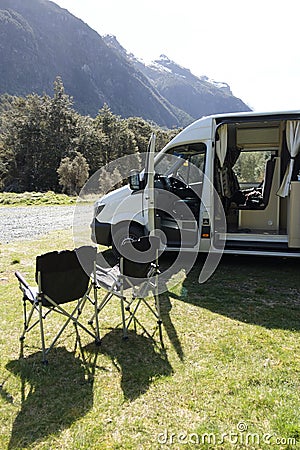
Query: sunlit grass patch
[[35, 198], [227, 378]]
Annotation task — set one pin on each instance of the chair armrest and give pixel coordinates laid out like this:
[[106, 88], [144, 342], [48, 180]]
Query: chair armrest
[[29, 293], [21, 280]]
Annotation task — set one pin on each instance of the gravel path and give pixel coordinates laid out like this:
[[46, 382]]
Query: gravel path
[[29, 222]]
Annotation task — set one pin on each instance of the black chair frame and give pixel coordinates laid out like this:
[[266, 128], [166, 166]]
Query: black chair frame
[[60, 279], [133, 283]]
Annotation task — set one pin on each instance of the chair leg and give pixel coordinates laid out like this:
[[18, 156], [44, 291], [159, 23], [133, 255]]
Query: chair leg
[[159, 321], [132, 313], [91, 320], [105, 300], [154, 310], [125, 335], [59, 334], [70, 317], [26, 320], [94, 302], [98, 340], [44, 361]]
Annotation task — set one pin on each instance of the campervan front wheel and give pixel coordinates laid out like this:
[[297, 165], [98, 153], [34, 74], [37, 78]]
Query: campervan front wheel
[[123, 234]]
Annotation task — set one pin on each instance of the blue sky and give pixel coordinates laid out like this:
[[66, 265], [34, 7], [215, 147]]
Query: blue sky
[[251, 45]]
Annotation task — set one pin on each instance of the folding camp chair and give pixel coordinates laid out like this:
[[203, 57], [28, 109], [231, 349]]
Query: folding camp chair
[[134, 280], [61, 278]]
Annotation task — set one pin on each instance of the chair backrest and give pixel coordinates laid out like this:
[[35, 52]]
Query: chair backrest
[[134, 264], [269, 173], [62, 276]]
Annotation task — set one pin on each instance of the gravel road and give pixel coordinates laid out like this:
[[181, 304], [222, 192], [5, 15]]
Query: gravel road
[[29, 222]]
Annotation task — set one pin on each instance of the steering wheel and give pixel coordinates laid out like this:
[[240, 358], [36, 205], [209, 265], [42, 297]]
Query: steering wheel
[[165, 182], [177, 182], [179, 178]]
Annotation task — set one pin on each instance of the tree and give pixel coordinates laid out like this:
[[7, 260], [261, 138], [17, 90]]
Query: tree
[[109, 180], [120, 139], [164, 136], [142, 131], [23, 142], [92, 142], [73, 173], [37, 132], [3, 169], [250, 166]]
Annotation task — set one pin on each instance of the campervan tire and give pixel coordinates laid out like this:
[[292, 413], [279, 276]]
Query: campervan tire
[[121, 235]]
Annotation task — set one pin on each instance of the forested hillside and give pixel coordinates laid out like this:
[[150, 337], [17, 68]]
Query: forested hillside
[[43, 136]]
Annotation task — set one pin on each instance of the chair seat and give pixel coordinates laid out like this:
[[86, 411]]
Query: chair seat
[[30, 293], [107, 277]]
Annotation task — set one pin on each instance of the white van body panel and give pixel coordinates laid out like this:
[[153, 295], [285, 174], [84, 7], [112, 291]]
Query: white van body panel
[[120, 206], [201, 130], [252, 236]]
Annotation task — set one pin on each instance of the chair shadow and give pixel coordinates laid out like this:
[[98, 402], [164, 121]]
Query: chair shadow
[[256, 290], [138, 359], [52, 396], [165, 309]]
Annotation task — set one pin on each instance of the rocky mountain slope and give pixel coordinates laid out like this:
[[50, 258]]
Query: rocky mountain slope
[[197, 96], [40, 41]]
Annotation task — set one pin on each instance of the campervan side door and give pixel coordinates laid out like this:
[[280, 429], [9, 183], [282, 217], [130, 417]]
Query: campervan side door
[[148, 193]]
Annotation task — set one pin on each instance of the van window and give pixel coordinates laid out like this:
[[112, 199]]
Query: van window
[[183, 162], [250, 168]]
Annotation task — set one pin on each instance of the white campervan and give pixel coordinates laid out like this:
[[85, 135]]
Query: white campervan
[[251, 160]]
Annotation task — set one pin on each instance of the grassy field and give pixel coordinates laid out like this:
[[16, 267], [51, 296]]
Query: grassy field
[[35, 199], [229, 377]]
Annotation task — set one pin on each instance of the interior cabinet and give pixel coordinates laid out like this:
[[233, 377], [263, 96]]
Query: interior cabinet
[[294, 215]]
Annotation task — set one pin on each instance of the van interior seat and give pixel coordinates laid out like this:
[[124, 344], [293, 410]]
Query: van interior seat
[[261, 200]]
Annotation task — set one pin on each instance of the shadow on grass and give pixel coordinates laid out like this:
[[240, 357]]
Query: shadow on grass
[[257, 290], [263, 291], [165, 309], [52, 397], [138, 359], [56, 395]]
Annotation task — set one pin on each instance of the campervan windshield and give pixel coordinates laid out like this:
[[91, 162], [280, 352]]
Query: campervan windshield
[[185, 163]]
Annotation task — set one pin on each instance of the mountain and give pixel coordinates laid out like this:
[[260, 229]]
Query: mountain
[[197, 96], [40, 41]]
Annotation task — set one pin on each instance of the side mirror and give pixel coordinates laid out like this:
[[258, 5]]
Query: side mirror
[[134, 180]]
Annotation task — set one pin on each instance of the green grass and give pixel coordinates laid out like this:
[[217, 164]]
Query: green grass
[[231, 363], [35, 199]]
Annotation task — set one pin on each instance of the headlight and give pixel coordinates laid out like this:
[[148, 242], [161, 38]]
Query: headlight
[[98, 210]]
